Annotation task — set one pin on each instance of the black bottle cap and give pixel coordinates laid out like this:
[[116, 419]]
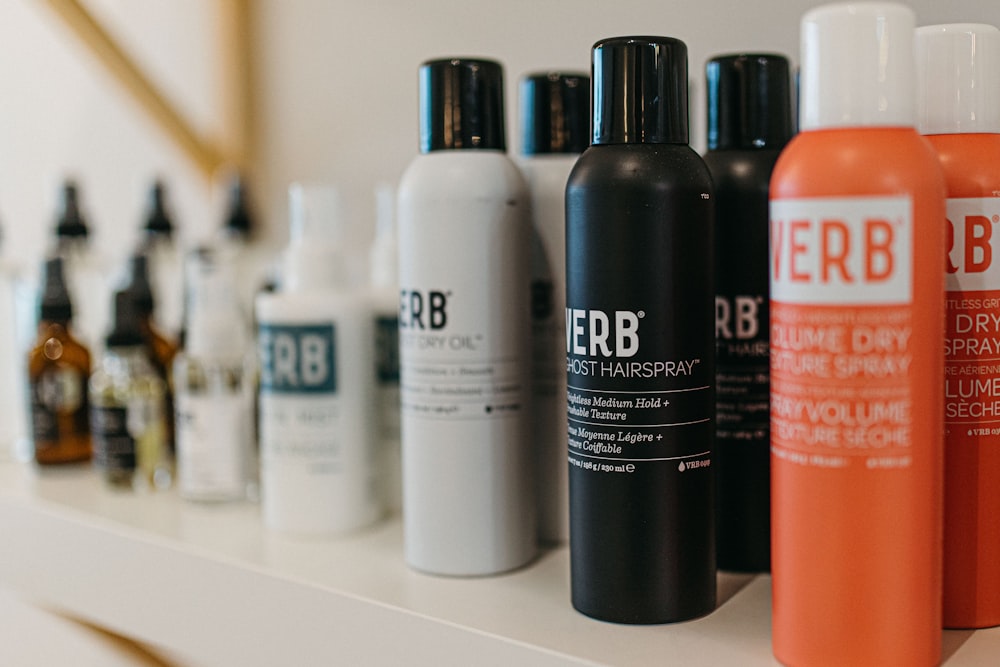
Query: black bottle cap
[[125, 331], [640, 91], [555, 113], [749, 101], [239, 219], [139, 287], [157, 219], [55, 305], [71, 222], [461, 105]]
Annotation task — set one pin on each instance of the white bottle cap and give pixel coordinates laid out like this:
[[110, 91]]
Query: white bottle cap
[[958, 78], [857, 66], [315, 256]]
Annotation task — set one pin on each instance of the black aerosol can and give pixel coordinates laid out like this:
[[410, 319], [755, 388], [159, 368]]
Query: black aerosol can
[[639, 345], [749, 122]]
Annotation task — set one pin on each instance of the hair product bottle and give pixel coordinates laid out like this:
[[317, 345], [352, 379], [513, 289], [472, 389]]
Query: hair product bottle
[[257, 265], [555, 117], [639, 346], [14, 346], [128, 415], [464, 238], [158, 243], [84, 267], [317, 389], [213, 386], [160, 349], [749, 122], [857, 331], [384, 266], [958, 106], [58, 370]]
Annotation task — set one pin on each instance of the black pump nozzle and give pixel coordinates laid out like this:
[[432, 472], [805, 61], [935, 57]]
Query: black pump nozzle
[[158, 221], [239, 220], [55, 304], [139, 287], [71, 223], [126, 331]]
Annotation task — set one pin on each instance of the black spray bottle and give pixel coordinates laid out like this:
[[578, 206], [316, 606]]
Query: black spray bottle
[[639, 345], [749, 122]]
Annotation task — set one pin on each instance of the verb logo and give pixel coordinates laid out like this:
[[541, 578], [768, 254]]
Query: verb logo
[[738, 317], [971, 232], [596, 333], [297, 358], [842, 250]]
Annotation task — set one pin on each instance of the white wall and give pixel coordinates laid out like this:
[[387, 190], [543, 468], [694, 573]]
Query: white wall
[[336, 95], [61, 115], [340, 78]]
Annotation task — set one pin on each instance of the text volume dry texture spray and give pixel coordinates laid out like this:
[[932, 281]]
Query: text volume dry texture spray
[[464, 234], [857, 334], [958, 104], [639, 345], [749, 122]]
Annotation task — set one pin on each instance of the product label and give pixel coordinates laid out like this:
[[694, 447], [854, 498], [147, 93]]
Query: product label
[[972, 345], [297, 358], [842, 251], [114, 442], [301, 415], [742, 359], [627, 404], [213, 437], [452, 369], [842, 331], [58, 390]]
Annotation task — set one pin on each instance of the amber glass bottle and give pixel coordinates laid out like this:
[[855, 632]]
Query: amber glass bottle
[[58, 368]]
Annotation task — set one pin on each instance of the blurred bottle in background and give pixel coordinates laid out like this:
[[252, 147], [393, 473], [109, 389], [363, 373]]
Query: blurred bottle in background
[[158, 242], [13, 427], [214, 383], [160, 349], [383, 260], [86, 270], [58, 370], [128, 411]]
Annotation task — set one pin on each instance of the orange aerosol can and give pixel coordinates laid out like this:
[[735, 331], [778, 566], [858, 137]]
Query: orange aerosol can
[[857, 371], [958, 106]]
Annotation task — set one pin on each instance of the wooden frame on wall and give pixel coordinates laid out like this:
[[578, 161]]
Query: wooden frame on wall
[[207, 154]]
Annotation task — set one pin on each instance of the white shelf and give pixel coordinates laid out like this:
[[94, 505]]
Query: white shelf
[[210, 584]]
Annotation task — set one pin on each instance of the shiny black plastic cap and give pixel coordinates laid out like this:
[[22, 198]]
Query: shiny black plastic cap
[[749, 101], [640, 91], [461, 105], [55, 303], [555, 113]]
